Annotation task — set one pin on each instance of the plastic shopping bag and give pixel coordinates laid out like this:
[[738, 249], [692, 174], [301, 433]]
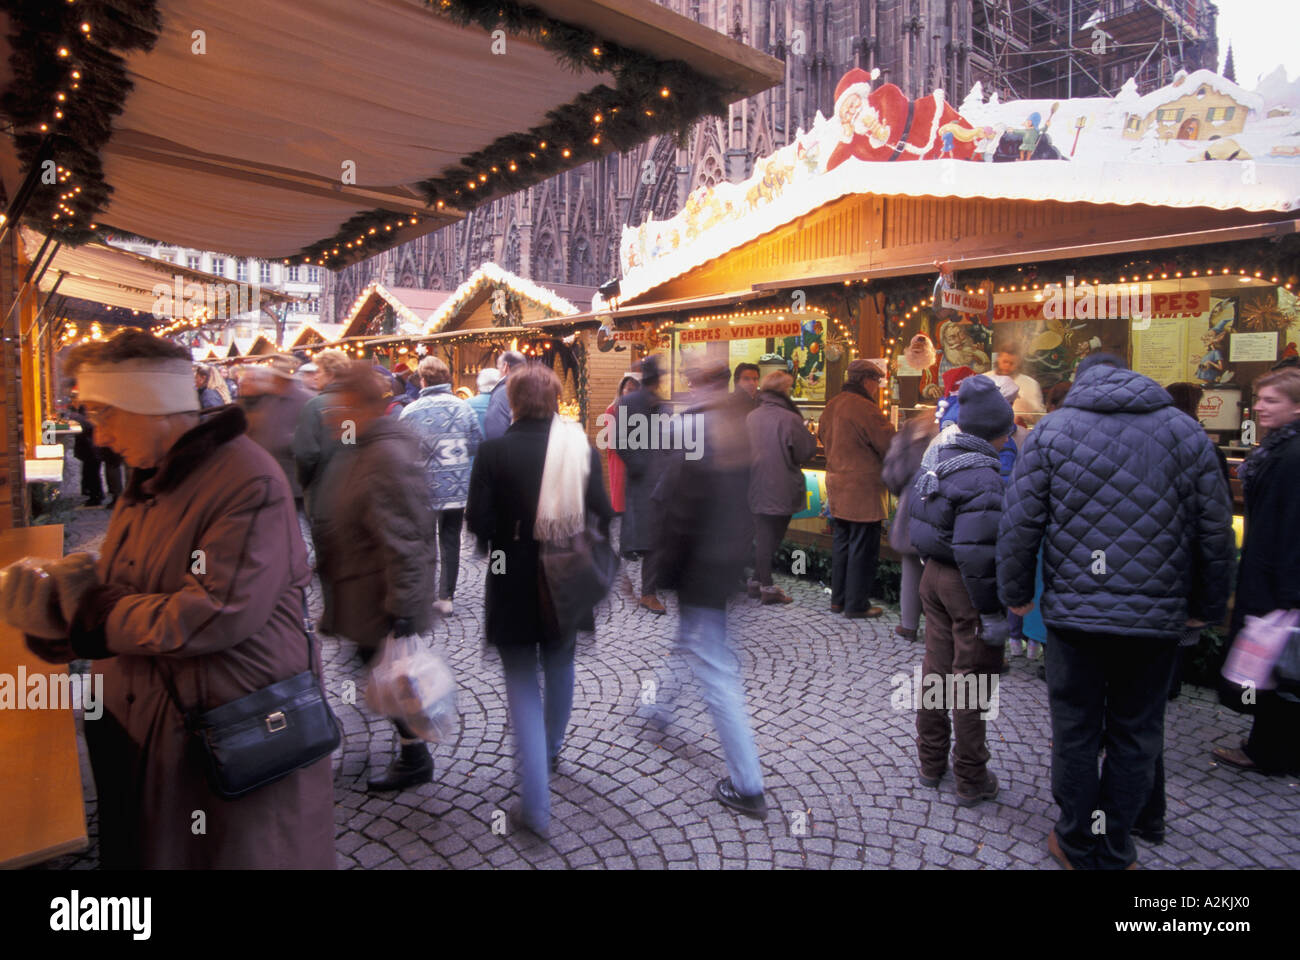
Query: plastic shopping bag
[[412, 683], [1257, 648]]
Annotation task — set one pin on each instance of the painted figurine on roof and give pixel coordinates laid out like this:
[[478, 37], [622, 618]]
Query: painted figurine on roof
[[881, 124]]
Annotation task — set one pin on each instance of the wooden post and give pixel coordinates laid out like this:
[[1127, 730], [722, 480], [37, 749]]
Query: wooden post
[[13, 487]]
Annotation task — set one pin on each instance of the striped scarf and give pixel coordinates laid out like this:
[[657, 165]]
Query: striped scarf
[[980, 453]]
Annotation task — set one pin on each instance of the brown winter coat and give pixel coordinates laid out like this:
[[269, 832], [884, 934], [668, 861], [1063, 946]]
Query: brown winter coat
[[856, 436], [373, 531], [779, 446], [225, 623]]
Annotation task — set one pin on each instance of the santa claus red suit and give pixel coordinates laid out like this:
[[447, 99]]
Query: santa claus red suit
[[881, 124]]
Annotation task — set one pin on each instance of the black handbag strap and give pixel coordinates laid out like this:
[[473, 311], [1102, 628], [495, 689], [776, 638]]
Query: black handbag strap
[[191, 716]]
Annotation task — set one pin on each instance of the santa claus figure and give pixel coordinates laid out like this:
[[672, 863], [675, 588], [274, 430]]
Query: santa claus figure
[[882, 124]]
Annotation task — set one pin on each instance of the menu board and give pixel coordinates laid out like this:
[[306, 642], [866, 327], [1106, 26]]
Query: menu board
[[1161, 352], [1253, 347]]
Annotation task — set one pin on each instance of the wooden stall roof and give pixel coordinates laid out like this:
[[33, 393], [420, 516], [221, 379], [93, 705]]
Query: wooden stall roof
[[864, 236], [468, 306], [412, 305], [311, 333]]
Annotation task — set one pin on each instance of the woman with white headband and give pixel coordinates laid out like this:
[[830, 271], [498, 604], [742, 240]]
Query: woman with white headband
[[201, 582]]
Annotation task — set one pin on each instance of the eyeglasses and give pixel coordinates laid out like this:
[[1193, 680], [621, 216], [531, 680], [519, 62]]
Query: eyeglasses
[[97, 415]]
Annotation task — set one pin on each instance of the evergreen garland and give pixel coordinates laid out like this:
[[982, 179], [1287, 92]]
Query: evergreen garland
[[579, 350], [91, 77]]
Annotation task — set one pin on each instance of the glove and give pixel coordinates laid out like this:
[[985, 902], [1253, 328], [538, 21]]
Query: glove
[[994, 629], [29, 600], [73, 576], [402, 627]]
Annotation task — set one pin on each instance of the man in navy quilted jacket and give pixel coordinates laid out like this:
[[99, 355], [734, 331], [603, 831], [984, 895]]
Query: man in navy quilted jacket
[[1124, 494]]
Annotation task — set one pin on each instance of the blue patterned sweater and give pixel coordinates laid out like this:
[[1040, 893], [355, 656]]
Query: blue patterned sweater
[[449, 435]]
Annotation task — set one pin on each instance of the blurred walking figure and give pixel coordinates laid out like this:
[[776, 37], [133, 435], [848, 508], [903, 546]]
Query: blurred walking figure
[[374, 540], [273, 399], [705, 537], [538, 482], [644, 467], [313, 445], [613, 462], [856, 436], [498, 417], [150, 613], [779, 446], [449, 438], [898, 473], [488, 378], [954, 509], [1123, 493], [1269, 577]]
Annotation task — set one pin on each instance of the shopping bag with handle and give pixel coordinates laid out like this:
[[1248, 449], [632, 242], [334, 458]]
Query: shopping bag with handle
[[412, 683], [1256, 650]]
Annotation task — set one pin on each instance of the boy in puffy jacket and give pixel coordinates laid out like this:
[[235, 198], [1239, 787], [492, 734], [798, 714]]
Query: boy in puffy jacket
[[954, 516]]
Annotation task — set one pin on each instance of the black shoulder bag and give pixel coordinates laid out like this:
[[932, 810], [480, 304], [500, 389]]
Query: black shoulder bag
[[576, 574], [266, 735]]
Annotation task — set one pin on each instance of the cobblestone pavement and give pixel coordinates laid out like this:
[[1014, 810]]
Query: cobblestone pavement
[[837, 758]]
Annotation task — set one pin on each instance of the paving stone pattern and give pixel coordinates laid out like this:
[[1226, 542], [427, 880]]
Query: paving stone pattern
[[838, 759]]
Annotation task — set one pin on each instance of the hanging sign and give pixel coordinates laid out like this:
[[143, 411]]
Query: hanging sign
[[742, 331], [953, 298]]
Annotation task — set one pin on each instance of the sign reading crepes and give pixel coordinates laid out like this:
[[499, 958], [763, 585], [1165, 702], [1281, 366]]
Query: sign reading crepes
[[742, 331]]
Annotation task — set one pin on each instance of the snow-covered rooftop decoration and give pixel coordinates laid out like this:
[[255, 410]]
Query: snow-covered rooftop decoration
[[1186, 84], [491, 274], [1072, 151]]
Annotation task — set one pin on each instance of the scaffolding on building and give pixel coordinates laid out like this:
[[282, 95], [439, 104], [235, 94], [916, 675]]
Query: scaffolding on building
[[1057, 49]]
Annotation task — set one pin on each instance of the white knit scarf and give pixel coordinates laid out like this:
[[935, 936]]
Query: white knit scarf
[[561, 512]]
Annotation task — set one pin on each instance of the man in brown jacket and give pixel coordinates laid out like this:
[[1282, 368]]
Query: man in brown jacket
[[375, 545], [856, 436]]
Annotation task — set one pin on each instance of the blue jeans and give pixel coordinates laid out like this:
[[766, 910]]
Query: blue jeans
[[702, 642], [539, 733]]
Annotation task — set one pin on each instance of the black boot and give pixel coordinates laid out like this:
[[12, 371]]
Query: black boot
[[412, 767]]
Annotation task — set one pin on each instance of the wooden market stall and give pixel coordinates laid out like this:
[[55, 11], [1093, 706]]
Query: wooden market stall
[[830, 250]]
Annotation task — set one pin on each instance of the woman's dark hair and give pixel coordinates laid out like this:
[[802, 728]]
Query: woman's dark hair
[[129, 344], [534, 392], [1187, 396], [1056, 395]]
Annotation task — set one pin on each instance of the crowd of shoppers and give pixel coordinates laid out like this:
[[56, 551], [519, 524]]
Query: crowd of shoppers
[[1105, 530]]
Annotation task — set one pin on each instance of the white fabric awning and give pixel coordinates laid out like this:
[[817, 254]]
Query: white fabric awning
[[259, 130], [120, 278]]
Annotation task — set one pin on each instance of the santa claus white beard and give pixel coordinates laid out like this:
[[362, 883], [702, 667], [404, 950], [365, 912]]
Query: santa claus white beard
[[920, 357]]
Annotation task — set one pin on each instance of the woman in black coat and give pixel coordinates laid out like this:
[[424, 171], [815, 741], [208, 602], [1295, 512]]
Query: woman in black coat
[[1269, 576], [505, 498]]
